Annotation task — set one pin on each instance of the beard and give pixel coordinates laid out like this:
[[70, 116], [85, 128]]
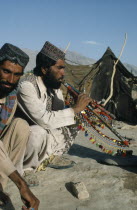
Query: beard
[[4, 91], [51, 82]]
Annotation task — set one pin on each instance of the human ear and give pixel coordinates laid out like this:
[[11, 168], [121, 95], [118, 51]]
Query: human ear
[[44, 71]]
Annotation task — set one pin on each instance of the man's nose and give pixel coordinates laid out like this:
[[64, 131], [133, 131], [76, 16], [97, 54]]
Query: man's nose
[[62, 72], [11, 79]]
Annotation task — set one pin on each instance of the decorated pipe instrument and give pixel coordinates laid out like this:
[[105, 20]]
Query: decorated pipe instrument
[[121, 143], [96, 105]]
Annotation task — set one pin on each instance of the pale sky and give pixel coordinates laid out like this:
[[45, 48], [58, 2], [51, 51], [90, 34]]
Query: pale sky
[[90, 25]]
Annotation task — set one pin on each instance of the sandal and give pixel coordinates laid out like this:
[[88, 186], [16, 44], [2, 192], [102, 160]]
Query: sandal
[[57, 162], [31, 179]]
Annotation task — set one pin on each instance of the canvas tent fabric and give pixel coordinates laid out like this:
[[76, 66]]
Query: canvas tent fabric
[[97, 83], [74, 74]]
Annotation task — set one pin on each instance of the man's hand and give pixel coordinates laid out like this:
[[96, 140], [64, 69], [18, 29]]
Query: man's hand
[[27, 196], [28, 199], [82, 101]]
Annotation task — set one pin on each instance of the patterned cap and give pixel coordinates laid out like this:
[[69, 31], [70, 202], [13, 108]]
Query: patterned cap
[[52, 51], [12, 53]]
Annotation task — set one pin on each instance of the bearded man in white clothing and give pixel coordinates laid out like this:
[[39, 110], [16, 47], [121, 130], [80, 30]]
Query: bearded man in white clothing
[[40, 102]]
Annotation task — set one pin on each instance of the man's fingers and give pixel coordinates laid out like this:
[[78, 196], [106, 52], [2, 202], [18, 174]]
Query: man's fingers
[[31, 208], [84, 96], [24, 208]]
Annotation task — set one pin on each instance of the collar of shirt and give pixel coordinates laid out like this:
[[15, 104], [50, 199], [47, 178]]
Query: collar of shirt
[[2, 101]]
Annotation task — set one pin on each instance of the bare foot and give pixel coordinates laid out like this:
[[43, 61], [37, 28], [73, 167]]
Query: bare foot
[[4, 199]]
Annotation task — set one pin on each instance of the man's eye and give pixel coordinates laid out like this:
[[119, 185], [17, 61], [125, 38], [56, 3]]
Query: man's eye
[[5, 71], [61, 67], [18, 75]]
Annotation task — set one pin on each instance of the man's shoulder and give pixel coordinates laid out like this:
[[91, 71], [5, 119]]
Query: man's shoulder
[[30, 77], [28, 83]]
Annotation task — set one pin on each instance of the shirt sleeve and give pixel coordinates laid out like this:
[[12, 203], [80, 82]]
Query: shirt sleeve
[[35, 109], [6, 165]]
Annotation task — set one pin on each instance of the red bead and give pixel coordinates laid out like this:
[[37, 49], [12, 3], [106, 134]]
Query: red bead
[[126, 143], [124, 155], [80, 127]]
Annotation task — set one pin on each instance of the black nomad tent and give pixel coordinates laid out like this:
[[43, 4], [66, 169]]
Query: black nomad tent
[[98, 81]]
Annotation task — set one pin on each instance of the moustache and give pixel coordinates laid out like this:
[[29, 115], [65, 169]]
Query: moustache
[[7, 83], [61, 78]]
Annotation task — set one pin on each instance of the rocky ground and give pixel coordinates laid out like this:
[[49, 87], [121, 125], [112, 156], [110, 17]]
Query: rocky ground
[[110, 187]]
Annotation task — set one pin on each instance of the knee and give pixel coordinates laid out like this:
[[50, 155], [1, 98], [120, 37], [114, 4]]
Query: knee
[[21, 127], [36, 136], [21, 124]]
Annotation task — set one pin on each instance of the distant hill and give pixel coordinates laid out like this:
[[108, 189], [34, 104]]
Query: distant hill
[[32, 60], [131, 68], [73, 58]]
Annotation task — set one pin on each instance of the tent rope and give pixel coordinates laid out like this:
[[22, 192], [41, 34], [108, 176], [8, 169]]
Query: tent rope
[[114, 71]]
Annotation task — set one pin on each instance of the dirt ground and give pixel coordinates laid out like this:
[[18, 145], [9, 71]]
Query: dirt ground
[[110, 187]]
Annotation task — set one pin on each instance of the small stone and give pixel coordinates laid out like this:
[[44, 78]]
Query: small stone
[[79, 190]]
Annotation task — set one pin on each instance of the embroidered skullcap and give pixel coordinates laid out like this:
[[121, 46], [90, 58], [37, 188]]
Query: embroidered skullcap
[[13, 53], [52, 51]]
